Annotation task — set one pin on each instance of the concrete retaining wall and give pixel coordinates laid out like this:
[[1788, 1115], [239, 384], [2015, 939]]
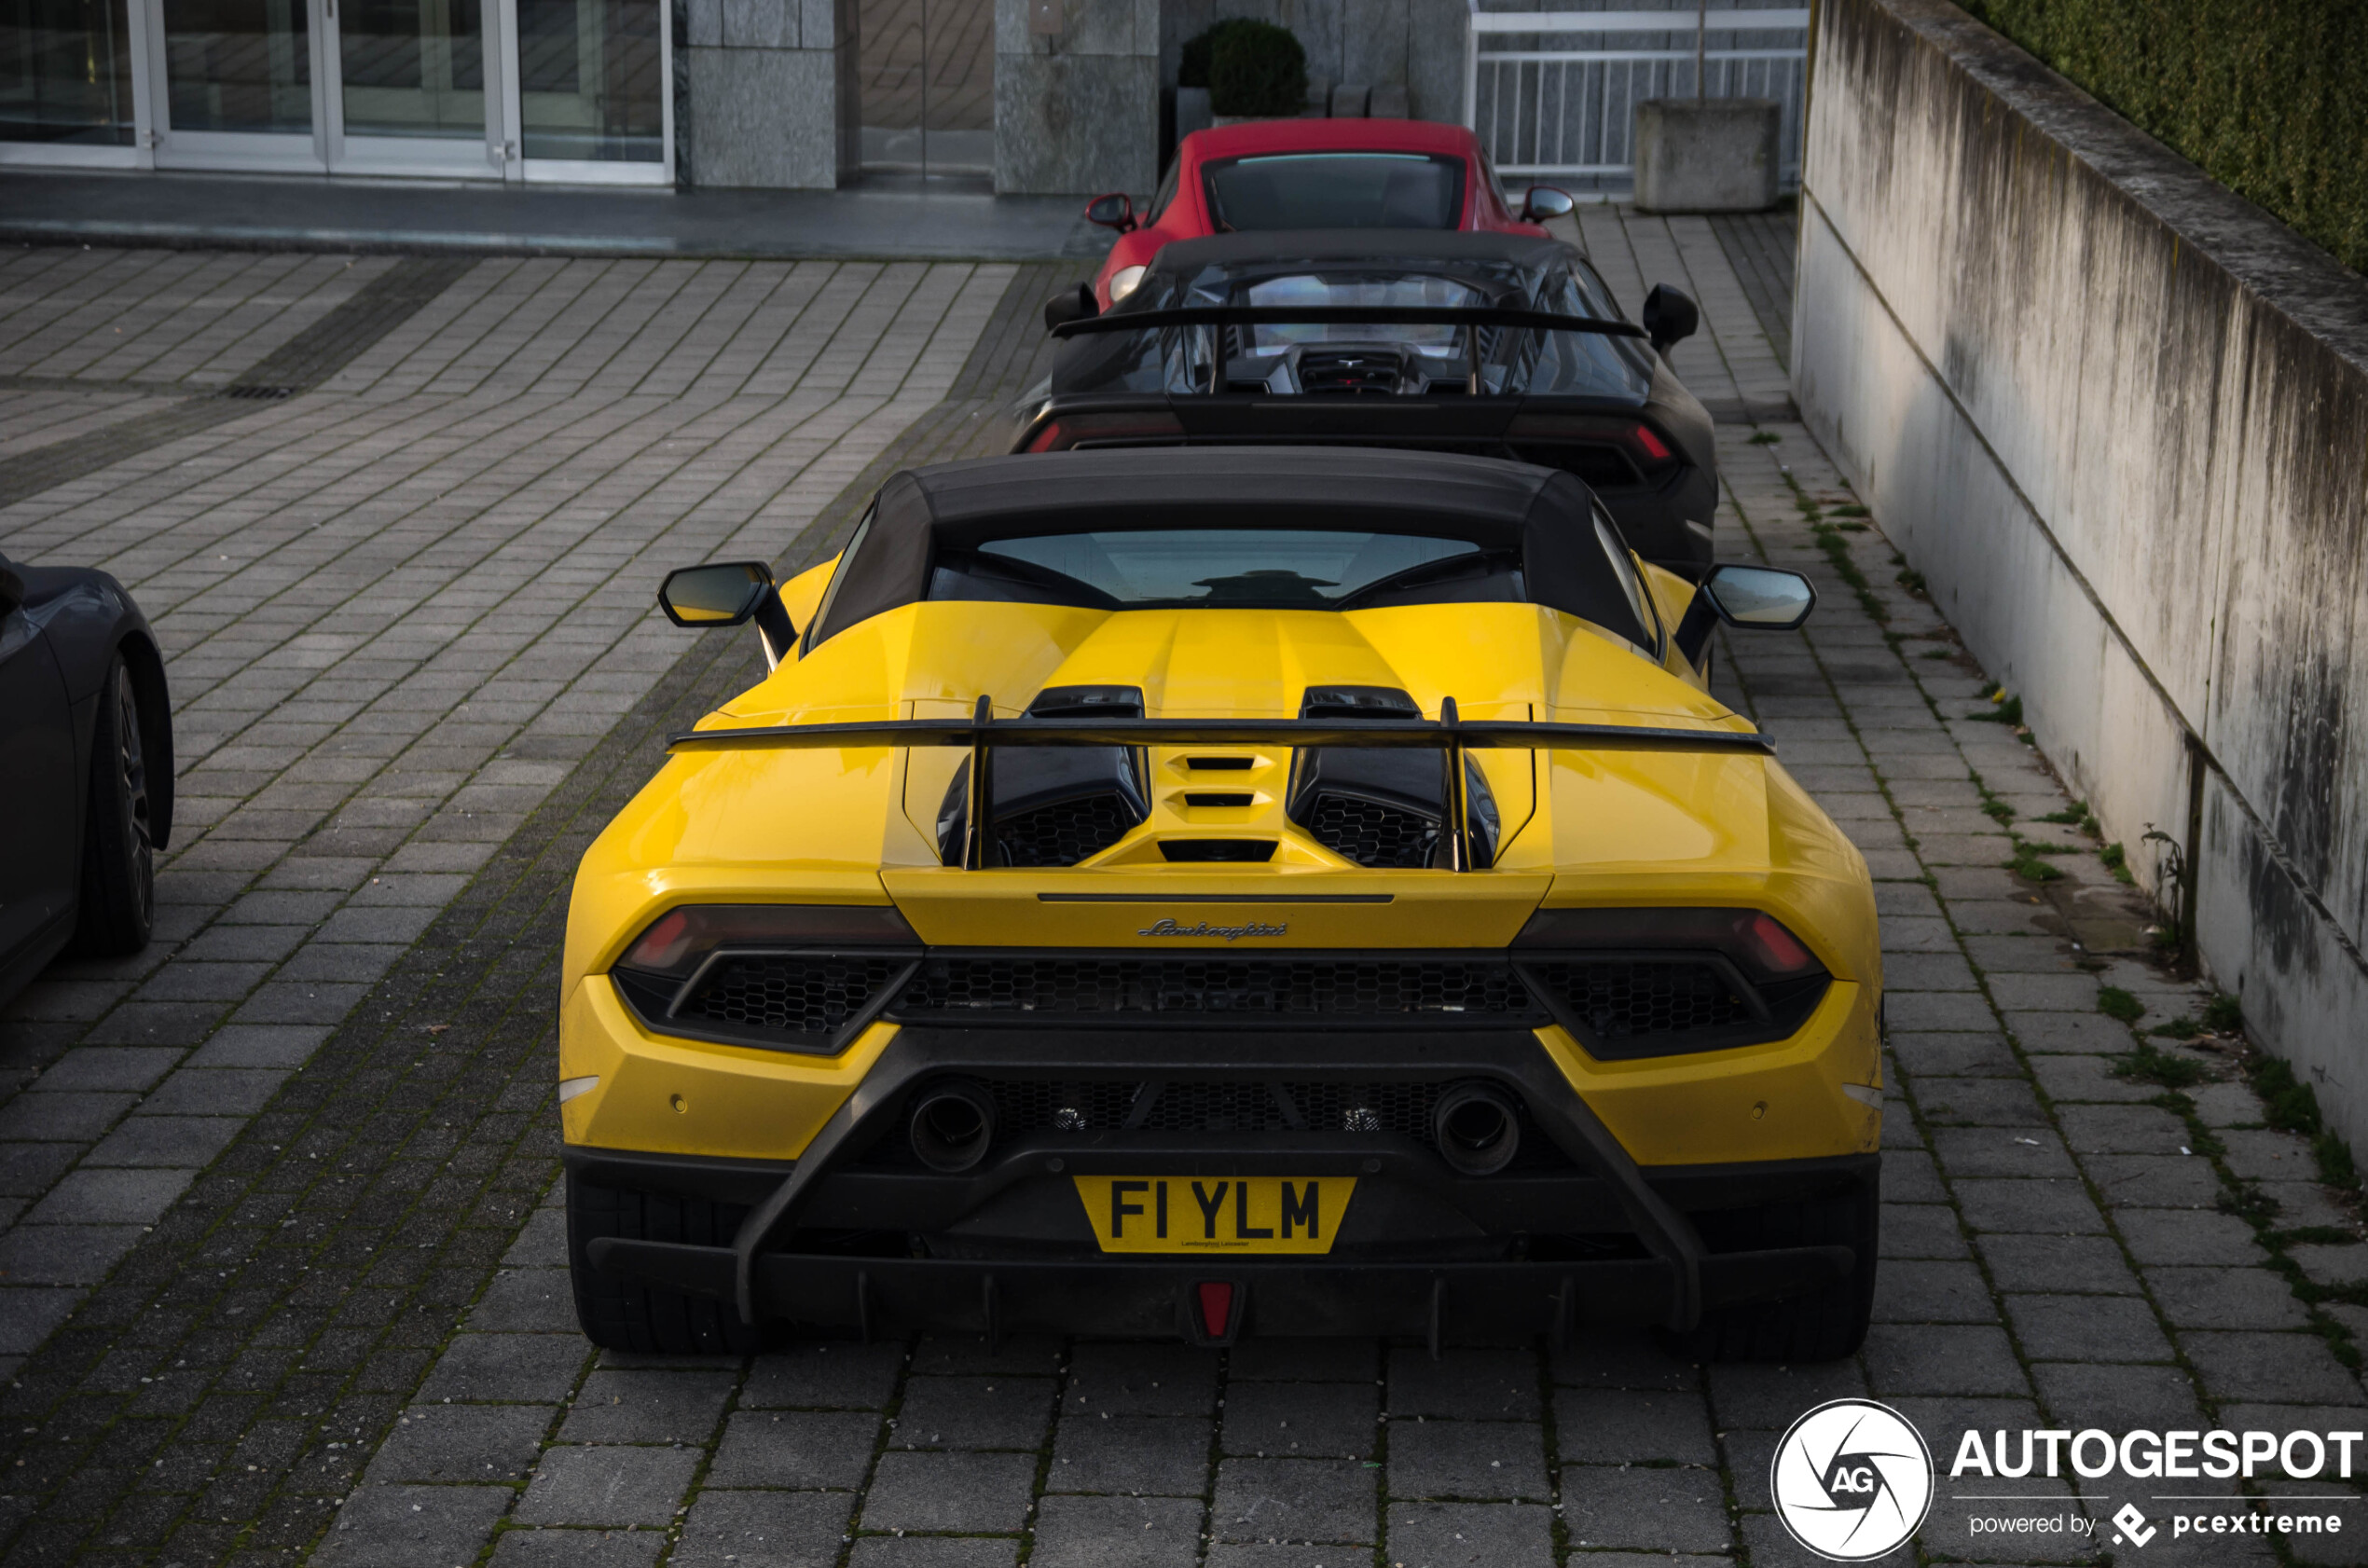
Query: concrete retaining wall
[[2118, 418]]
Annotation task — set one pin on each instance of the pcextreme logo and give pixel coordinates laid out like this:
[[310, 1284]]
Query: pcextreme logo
[[1852, 1479]]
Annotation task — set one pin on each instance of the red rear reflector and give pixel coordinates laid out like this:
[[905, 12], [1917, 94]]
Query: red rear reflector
[[1046, 438], [1779, 949], [1651, 442], [1216, 1308]]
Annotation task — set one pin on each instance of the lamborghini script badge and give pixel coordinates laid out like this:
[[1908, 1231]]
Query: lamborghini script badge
[[1255, 929]]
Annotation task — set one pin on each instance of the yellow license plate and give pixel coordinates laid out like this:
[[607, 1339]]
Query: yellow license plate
[[1223, 1214]]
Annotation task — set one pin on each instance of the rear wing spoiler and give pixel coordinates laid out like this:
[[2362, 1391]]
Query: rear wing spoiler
[[1346, 315], [1449, 732]]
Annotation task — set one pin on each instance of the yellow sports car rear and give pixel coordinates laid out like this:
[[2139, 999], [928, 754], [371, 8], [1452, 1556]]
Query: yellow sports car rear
[[1225, 892]]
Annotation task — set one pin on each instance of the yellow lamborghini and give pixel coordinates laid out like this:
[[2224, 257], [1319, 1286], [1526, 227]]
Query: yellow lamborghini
[[1218, 892]]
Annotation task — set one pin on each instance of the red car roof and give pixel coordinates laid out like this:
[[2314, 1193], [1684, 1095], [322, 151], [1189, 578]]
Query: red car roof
[[1331, 135]]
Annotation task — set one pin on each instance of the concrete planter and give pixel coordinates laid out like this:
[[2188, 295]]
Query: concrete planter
[[1192, 111], [1707, 156]]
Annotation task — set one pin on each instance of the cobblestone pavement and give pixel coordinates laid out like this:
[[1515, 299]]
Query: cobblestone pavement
[[350, 1338], [395, 611]]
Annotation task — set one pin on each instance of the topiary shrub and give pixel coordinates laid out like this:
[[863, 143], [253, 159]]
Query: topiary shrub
[[1256, 70]]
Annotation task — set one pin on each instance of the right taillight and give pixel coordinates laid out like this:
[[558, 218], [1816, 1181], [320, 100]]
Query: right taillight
[[1644, 446], [1635, 982], [1756, 942]]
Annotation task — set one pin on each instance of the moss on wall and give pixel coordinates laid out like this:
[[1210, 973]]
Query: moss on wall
[[2269, 97]]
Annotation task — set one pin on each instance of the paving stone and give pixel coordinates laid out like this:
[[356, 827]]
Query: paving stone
[[652, 1406], [1119, 1532], [1472, 1384], [1960, 1054], [120, 1197], [412, 1526], [1921, 1231], [2070, 1080], [1319, 1500], [1911, 1177], [1471, 1536], [526, 1301], [1473, 1460], [2304, 1204], [795, 1449], [2225, 1298], [64, 1254], [527, 1368], [835, 1374], [2083, 1033], [179, 1142], [2116, 1399], [1294, 1360], [2331, 1265], [578, 1549], [461, 1443], [2001, 1151], [2047, 1207], [1913, 1291], [2154, 1181], [1670, 1511], [2086, 1327], [979, 1412], [1752, 1394], [969, 1492], [1623, 1427], [1140, 1380], [609, 1485], [1617, 1360], [925, 1551], [1935, 1358], [2286, 1368], [1152, 1454], [1016, 1354], [1307, 1420], [2091, 1265], [2122, 1130], [121, 1068], [764, 1528], [1978, 1102]]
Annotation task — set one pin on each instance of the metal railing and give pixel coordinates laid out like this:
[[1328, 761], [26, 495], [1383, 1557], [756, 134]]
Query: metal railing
[[1571, 111]]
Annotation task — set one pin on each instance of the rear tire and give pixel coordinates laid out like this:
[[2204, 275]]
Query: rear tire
[[118, 891], [1824, 1326], [632, 1314]]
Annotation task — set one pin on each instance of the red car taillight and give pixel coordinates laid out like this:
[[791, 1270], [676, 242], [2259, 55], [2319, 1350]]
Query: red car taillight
[[1077, 430], [1755, 941], [679, 941], [1644, 446]]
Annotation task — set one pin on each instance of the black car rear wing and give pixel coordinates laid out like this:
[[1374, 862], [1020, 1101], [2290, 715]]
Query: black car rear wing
[[1449, 732], [1346, 315]]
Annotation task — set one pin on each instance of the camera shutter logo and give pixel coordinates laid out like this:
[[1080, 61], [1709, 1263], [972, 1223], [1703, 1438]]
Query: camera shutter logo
[[1852, 1479]]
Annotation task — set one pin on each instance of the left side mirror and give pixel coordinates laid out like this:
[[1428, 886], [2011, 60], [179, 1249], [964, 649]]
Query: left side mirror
[[1545, 201], [1750, 597], [1670, 317], [725, 594], [1113, 210]]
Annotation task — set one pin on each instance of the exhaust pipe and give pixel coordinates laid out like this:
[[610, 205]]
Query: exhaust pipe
[[1477, 1129], [950, 1125]]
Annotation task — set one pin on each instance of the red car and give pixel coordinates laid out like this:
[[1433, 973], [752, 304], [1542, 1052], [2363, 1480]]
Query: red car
[[1315, 174]]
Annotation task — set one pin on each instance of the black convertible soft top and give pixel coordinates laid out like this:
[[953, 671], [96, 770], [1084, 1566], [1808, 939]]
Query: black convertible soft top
[[1544, 514]]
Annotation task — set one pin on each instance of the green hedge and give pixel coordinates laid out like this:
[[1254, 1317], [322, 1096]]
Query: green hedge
[[1250, 67], [2269, 97]]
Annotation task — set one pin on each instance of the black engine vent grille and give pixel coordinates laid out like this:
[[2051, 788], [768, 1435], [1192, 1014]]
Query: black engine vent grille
[[1371, 834], [1426, 991], [1064, 833], [791, 994]]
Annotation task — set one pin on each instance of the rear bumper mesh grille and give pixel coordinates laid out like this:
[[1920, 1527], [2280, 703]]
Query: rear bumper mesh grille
[[1428, 990]]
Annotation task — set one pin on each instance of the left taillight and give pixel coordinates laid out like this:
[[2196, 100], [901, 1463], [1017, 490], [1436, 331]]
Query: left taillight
[[677, 943], [1124, 428]]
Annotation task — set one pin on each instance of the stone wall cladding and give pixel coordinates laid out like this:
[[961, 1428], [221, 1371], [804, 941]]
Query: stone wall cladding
[[1077, 112], [771, 93], [2114, 415]]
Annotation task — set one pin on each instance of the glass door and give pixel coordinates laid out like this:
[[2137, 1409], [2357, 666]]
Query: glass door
[[593, 106], [238, 84], [411, 89]]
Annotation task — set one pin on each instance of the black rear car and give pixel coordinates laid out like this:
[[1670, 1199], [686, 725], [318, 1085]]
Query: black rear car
[[1462, 359], [86, 768]]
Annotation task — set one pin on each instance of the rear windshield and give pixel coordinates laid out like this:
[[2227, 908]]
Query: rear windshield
[[1230, 569], [1336, 190], [1317, 289]]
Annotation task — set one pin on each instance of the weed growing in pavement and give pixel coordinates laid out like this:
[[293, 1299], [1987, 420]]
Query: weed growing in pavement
[[1995, 808], [2074, 816], [1910, 579], [2118, 863], [1853, 510], [2114, 1002], [2182, 1028], [1829, 539], [2028, 865], [1939, 654], [1764, 439], [2223, 1014], [2151, 1063], [2004, 709]]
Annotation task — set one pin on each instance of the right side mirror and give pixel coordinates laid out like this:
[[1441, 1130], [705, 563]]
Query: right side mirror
[[1070, 305], [1115, 209], [1749, 597], [725, 594], [1670, 317], [1546, 202]]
